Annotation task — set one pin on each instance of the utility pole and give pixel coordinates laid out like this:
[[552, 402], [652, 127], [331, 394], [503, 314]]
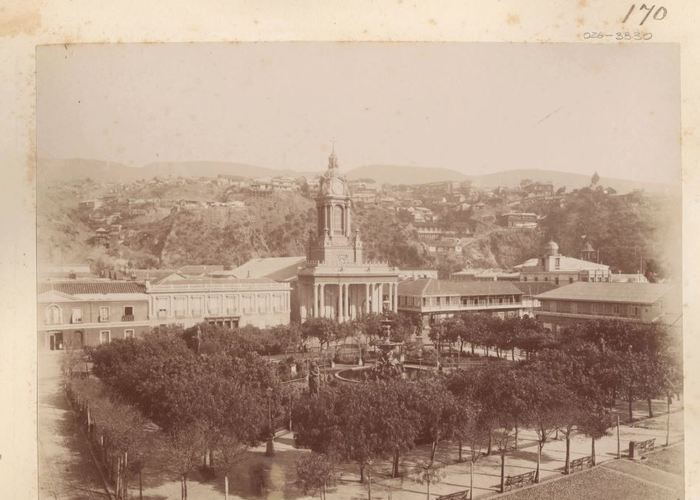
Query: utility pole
[[668, 418], [270, 449]]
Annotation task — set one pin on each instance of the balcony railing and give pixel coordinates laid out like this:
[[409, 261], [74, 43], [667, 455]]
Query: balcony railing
[[128, 317], [76, 320], [463, 307], [103, 319]]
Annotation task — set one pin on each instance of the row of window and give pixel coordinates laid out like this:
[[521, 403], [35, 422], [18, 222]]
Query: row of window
[[557, 281], [218, 304], [53, 315], [106, 335], [456, 301], [600, 308]]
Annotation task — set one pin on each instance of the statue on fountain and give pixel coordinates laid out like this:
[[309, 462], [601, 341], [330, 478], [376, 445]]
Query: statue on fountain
[[387, 366]]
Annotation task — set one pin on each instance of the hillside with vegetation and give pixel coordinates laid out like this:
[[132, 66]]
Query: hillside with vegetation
[[631, 232]]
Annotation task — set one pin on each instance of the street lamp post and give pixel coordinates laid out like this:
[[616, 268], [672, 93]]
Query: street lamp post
[[270, 450], [369, 479], [439, 331], [668, 418]]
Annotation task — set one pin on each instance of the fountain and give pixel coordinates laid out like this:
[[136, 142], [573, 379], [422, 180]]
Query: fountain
[[387, 366]]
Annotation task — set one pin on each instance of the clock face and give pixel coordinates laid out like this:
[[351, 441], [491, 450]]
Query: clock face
[[337, 186]]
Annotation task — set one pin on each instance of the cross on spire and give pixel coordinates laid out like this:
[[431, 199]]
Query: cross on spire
[[332, 159]]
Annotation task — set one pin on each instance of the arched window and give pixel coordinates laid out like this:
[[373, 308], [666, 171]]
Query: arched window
[[54, 315], [338, 220]]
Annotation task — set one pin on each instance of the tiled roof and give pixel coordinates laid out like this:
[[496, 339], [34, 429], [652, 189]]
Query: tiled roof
[[565, 264], [531, 288], [637, 293], [275, 268], [93, 287], [628, 278], [178, 279], [200, 269], [430, 286]]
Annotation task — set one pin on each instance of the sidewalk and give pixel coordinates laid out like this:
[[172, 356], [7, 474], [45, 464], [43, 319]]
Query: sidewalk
[[282, 468], [65, 468]]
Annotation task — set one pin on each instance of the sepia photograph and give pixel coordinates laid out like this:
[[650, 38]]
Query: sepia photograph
[[359, 270]]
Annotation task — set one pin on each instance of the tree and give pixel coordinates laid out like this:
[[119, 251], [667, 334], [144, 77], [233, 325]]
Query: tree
[[595, 179], [315, 472], [459, 383], [400, 422], [239, 423], [323, 329], [475, 329], [531, 337], [502, 438], [439, 411], [595, 423], [427, 472], [183, 448], [546, 400]]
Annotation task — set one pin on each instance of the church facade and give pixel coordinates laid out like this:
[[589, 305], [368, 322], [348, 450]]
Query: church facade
[[336, 282]]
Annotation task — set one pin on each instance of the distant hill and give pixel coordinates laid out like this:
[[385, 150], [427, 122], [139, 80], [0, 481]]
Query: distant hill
[[68, 169], [511, 178], [79, 168], [398, 174]]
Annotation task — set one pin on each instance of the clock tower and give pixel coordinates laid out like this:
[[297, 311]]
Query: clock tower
[[334, 242], [336, 282]]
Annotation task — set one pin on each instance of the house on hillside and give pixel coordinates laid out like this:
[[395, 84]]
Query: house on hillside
[[485, 275], [539, 189], [65, 272], [445, 246], [519, 220]]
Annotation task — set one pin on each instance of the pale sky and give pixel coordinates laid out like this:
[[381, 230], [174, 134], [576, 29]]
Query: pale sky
[[475, 108]]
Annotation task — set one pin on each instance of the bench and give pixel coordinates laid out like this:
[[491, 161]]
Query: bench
[[459, 495], [519, 480], [641, 448], [580, 463]]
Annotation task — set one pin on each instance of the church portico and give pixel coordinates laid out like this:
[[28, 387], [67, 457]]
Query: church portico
[[336, 282], [344, 298]]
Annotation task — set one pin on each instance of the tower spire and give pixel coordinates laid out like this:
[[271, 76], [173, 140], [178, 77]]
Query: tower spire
[[332, 159]]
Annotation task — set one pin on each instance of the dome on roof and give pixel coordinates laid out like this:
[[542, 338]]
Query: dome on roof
[[551, 248]]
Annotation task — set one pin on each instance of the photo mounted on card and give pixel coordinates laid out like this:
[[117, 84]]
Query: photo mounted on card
[[363, 269]]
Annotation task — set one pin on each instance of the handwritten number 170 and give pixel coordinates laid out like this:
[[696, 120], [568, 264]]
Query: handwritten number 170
[[657, 13]]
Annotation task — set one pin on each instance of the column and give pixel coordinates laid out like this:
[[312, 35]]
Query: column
[[375, 310], [367, 311], [339, 307], [347, 219], [396, 297], [381, 297], [346, 302], [314, 310], [322, 307]]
